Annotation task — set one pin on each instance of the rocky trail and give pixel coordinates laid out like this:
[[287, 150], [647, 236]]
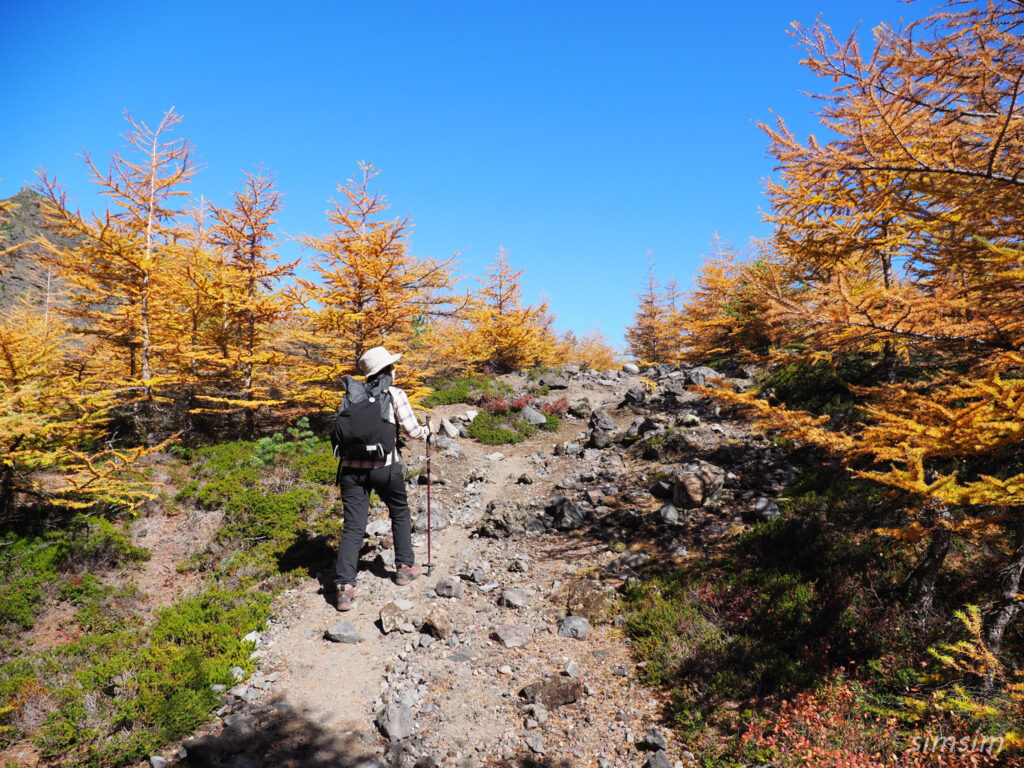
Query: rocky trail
[[510, 651]]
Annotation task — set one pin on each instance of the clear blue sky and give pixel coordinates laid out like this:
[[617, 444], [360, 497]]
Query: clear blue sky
[[578, 135]]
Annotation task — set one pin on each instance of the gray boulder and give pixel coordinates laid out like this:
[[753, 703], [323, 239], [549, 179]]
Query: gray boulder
[[697, 484], [766, 510], [658, 760], [702, 374], [668, 514], [632, 433], [513, 636], [554, 381], [505, 519], [653, 740], [439, 519], [448, 588], [395, 720], [631, 368], [636, 395], [442, 441], [574, 626], [513, 598], [565, 515], [343, 632], [532, 416], [602, 421]]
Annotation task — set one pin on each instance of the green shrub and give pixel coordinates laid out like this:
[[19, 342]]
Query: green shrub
[[464, 390], [500, 422], [149, 688], [269, 522], [447, 392], [31, 562], [218, 492], [79, 589], [319, 467], [668, 631], [822, 387], [21, 599], [779, 609], [95, 542], [492, 429], [223, 459], [124, 688], [187, 492]]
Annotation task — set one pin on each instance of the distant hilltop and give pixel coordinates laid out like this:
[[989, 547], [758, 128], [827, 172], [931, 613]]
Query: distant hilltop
[[22, 273]]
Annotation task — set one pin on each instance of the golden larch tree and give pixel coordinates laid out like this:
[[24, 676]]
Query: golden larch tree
[[243, 290], [900, 240], [653, 337], [118, 274], [496, 331], [723, 315], [592, 350], [52, 418], [370, 291]]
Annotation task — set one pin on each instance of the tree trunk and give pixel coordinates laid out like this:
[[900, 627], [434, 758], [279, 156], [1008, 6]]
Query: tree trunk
[[889, 362], [145, 349], [926, 574], [888, 350], [1003, 611], [6, 494]]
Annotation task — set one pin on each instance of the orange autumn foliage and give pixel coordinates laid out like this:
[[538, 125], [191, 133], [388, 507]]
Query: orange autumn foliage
[[591, 350], [899, 241], [655, 335], [830, 728], [242, 302], [495, 330], [370, 291], [118, 275], [725, 314]]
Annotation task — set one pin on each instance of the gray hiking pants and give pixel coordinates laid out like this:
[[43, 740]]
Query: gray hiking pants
[[356, 484]]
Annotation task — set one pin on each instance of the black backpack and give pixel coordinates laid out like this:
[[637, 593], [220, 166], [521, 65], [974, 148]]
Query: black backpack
[[361, 429]]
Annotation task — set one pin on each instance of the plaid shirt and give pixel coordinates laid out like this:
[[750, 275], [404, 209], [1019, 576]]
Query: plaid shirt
[[406, 419]]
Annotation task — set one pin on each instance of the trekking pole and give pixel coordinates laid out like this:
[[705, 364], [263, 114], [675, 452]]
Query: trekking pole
[[430, 561]]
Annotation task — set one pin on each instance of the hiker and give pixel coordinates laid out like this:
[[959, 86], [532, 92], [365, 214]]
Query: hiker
[[383, 474]]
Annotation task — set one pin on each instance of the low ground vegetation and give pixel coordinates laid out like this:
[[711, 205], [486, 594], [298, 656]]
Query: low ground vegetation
[[115, 686], [501, 420], [794, 645]]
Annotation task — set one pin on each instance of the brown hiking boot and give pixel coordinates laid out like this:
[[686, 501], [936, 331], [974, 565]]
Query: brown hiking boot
[[406, 573], [344, 597]]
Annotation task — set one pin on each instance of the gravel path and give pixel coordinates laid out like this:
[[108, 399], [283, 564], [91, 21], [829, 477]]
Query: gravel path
[[455, 695]]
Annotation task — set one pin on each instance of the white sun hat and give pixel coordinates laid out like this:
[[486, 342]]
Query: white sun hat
[[376, 359]]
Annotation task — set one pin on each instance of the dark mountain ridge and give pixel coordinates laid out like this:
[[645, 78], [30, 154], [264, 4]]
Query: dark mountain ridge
[[23, 273]]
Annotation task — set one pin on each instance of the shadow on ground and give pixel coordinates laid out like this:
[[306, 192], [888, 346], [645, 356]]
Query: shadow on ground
[[277, 736], [308, 553]]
